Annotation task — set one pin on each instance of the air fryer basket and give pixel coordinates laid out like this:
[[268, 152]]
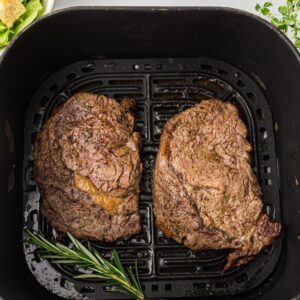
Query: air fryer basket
[[161, 89], [121, 52]]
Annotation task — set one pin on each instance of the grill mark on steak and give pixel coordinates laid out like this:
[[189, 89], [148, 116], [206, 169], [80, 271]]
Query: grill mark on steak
[[91, 137], [204, 191]]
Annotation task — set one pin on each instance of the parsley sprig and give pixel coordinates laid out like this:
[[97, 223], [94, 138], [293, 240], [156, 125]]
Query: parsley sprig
[[287, 19]]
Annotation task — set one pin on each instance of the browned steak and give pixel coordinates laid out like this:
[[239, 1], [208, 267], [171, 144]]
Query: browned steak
[[205, 193], [87, 167]]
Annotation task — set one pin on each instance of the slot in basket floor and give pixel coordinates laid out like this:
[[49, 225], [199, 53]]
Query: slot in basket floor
[[161, 88]]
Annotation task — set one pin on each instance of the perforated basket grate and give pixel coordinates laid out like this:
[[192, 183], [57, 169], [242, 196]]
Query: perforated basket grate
[[161, 88]]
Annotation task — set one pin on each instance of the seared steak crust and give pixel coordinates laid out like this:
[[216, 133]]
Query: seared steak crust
[[87, 167], [204, 191]]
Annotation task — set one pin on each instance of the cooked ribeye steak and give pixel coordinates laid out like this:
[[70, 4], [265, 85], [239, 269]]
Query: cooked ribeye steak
[[204, 191], [87, 167]]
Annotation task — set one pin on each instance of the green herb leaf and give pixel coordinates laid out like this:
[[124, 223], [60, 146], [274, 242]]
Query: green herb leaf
[[118, 263], [265, 11], [268, 4], [275, 21], [297, 44], [257, 7], [283, 27], [288, 21], [282, 9], [91, 276], [287, 18], [89, 259]]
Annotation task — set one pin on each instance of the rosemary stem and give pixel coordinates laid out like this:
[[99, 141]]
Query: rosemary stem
[[90, 259]]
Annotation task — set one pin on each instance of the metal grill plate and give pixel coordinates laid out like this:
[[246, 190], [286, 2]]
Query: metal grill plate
[[161, 88]]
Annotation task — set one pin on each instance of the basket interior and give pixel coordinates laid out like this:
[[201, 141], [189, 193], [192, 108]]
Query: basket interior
[[161, 89]]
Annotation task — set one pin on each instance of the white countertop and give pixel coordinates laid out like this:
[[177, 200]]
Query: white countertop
[[248, 5]]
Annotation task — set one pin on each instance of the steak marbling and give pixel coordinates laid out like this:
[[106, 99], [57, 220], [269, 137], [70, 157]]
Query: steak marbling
[[205, 193], [87, 167]]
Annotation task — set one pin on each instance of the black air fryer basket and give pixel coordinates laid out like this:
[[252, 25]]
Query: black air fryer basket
[[167, 59]]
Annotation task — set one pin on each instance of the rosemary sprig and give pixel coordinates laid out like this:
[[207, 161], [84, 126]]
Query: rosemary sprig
[[287, 19], [88, 258]]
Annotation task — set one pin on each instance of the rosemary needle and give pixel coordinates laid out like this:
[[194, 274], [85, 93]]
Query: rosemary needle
[[88, 258]]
